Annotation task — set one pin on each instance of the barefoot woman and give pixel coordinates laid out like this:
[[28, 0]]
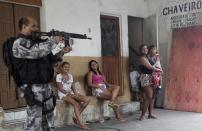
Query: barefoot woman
[[64, 82], [146, 84]]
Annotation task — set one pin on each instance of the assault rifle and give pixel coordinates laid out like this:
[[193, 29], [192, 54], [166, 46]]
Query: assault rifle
[[36, 36]]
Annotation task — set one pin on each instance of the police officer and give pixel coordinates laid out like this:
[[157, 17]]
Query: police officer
[[34, 63]]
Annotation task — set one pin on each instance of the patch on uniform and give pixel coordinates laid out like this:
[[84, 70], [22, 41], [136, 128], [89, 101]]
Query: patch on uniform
[[26, 43]]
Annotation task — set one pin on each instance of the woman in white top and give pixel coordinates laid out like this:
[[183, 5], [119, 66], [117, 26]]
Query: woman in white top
[[67, 93]]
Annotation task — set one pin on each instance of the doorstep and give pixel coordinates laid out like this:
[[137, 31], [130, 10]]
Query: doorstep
[[13, 119]]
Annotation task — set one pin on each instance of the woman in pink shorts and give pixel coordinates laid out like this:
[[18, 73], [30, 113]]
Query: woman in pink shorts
[[102, 89]]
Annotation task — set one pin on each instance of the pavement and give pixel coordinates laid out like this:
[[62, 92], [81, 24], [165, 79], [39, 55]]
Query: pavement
[[168, 120]]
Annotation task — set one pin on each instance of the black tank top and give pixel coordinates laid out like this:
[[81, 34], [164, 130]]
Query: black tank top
[[145, 70]]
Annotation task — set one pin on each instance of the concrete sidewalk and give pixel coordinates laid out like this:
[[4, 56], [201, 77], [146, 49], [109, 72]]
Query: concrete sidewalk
[[167, 121]]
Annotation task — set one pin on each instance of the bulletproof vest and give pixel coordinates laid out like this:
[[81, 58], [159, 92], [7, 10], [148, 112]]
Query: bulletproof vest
[[35, 71]]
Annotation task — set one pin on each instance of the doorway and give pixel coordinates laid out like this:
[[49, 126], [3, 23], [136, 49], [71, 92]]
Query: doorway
[[9, 16], [135, 39], [111, 53], [140, 31]]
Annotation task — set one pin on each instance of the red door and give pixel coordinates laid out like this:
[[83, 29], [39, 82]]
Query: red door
[[184, 87], [111, 54]]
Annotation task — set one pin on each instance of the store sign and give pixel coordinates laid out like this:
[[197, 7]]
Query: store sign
[[183, 13]]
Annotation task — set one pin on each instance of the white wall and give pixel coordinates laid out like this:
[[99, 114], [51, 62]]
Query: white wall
[[154, 7], [123, 9], [83, 16], [75, 16]]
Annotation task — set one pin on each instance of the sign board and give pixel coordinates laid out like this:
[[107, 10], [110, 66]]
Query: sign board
[[182, 13]]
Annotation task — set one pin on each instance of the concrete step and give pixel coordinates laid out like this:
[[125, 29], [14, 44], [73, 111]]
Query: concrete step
[[13, 120], [93, 112], [14, 115]]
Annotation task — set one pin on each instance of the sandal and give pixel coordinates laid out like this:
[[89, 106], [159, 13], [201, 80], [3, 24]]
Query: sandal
[[113, 105], [121, 119], [74, 120]]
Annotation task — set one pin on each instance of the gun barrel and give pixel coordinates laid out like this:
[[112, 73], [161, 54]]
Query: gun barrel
[[60, 33], [79, 36], [70, 35]]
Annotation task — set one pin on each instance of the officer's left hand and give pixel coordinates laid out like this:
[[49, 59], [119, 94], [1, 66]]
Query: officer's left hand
[[57, 39], [67, 49]]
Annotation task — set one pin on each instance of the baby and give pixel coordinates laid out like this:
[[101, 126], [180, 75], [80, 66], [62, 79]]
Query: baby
[[154, 59]]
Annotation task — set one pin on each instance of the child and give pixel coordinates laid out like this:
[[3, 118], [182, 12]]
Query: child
[[153, 57], [134, 80]]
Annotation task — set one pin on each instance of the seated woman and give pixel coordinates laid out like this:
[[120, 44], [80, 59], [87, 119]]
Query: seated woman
[[66, 92], [102, 89]]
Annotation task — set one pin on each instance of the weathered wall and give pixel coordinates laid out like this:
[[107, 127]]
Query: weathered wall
[[79, 16], [83, 16], [79, 68]]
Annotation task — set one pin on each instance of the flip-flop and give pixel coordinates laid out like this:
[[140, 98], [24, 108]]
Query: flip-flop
[[113, 105], [74, 120], [121, 119]]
